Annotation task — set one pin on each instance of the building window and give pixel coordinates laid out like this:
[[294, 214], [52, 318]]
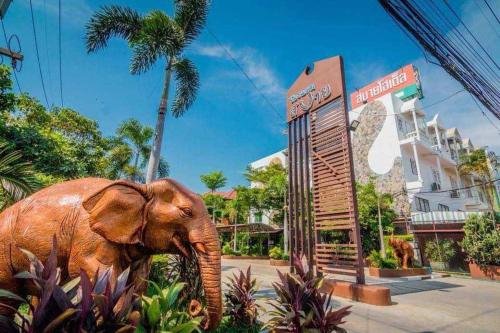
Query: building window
[[422, 205], [400, 125], [258, 217], [481, 197], [436, 176], [413, 166], [443, 208]]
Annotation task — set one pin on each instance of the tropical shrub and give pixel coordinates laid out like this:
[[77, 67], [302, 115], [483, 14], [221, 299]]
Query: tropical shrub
[[440, 250], [481, 240], [161, 311], [77, 306], [377, 261], [300, 306], [228, 250], [278, 254], [167, 270], [240, 299]]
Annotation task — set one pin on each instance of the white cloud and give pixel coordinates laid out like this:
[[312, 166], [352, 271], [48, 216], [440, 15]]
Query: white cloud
[[254, 65]]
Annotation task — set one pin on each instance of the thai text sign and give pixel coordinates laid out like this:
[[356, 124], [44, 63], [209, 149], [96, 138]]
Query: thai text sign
[[397, 80]]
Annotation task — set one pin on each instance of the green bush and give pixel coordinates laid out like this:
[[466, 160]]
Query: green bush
[[440, 250], [227, 250], [277, 253], [162, 312], [377, 261], [481, 240]]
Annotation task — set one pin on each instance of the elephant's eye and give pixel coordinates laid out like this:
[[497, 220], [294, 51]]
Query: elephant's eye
[[186, 212]]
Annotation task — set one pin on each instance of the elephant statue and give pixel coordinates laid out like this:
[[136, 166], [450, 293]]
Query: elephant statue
[[403, 252], [100, 223]]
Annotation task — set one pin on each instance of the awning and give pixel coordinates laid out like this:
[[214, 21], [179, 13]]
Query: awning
[[254, 228], [410, 105]]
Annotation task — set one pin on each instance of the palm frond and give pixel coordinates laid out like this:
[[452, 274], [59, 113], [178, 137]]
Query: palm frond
[[16, 176], [112, 21], [191, 16], [188, 82], [159, 37]]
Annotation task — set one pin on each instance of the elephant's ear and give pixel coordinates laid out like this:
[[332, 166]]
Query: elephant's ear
[[116, 212]]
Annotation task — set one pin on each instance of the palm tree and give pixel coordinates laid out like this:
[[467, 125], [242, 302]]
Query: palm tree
[[16, 176], [139, 136], [214, 180], [153, 37], [476, 162]]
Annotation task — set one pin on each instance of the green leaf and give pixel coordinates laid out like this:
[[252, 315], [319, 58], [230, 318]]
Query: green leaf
[[154, 312]]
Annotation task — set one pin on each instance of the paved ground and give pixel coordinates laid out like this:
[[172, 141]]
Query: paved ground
[[449, 304]]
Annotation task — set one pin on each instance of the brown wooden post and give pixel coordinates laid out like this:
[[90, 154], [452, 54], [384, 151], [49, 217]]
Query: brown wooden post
[[317, 112]]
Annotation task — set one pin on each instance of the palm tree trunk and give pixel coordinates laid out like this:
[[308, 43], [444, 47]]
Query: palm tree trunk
[[154, 157]]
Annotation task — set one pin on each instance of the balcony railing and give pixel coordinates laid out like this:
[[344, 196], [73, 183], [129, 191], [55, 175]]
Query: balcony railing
[[441, 217]]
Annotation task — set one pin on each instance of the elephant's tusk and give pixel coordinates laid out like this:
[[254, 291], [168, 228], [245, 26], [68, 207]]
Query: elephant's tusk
[[200, 247], [178, 242]]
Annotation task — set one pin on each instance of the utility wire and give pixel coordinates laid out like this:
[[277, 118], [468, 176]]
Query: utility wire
[[486, 18], [7, 44], [492, 12], [472, 35], [60, 57], [460, 188], [38, 54], [244, 73]]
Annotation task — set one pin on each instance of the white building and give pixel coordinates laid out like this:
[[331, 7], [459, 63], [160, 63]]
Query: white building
[[402, 150], [276, 158]]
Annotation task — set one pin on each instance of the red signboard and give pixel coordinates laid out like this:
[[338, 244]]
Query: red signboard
[[395, 81]]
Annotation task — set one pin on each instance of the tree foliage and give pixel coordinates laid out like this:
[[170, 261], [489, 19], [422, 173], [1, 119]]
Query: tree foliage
[[214, 180], [61, 144], [368, 197], [481, 240]]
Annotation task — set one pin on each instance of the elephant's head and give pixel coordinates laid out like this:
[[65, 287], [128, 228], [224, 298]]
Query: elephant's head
[[161, 217]]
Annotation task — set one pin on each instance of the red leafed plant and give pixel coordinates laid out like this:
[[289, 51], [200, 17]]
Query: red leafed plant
[[77, 306], [300, 306], [240, 299]]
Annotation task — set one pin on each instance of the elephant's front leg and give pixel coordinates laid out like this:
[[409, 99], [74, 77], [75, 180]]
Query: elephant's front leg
[[93, 258]]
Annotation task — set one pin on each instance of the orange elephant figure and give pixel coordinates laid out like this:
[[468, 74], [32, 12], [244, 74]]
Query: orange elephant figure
[[403, 252], [100, 223]]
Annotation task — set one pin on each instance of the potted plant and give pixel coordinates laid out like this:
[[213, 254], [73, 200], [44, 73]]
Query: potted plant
[[481, 243], [439, 253], [278, 257]]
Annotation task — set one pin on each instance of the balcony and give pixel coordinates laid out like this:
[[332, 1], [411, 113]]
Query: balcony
[[441, 217], [435, 187]]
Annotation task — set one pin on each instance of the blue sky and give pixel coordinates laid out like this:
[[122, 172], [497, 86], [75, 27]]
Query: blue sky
[[230, 124]]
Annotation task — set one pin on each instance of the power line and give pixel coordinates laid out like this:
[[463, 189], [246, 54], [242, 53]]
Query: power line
[[38, 54], [470, 33], [7, 43], [492, 12], [485, 115], [432, 28], [244, 73], [60, 57], [460, 188], [486, 18]]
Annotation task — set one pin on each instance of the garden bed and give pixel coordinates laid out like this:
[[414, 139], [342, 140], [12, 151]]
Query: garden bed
[[227, 256], [279, 262], [488, 272], [391, 273]]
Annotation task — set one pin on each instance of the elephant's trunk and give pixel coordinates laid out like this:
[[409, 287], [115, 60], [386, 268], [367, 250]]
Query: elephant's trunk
[[210, 269]]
